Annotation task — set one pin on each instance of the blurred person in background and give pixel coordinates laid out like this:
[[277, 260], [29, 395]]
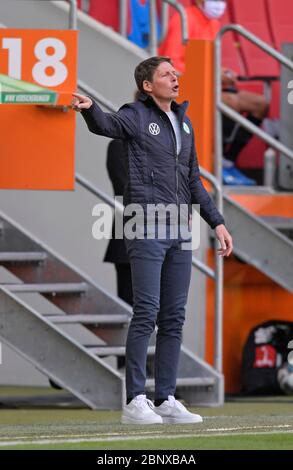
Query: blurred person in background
[[116, 250], [203, 20], [140, 23]]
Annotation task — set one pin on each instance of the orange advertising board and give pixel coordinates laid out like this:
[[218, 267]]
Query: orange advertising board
[[37, 144]]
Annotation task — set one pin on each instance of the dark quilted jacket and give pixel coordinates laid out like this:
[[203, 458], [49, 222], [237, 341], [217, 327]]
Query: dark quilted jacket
[[155, 173]]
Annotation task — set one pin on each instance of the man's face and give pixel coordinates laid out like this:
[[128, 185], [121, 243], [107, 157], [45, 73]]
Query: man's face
[[164, 84]]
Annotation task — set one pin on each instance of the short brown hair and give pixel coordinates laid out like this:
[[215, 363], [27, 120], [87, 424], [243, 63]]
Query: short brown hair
[[146, 69]]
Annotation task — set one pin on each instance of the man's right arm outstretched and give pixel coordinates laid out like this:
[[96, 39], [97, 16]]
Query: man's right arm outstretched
[[120, 125]]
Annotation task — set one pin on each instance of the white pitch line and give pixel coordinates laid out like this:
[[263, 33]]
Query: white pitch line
[[243, 428], [133, 438], [213, 432], [73, 436], [160, 432], [241, 416]]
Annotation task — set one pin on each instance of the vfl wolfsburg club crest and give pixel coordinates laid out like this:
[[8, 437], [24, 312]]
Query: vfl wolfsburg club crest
[[154, 128], [186, 128]]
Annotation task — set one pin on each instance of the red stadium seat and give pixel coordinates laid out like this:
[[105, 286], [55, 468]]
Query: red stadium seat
[[231, 57], [258, 63], [108, 13], [252, 156], [275, 101], [280, 15], [252, 14]]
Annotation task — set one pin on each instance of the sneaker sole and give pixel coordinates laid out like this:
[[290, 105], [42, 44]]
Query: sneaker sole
[[168, 420], [128, 420]]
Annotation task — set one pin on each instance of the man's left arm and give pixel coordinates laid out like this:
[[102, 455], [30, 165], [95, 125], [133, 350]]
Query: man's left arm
[[208, 209]]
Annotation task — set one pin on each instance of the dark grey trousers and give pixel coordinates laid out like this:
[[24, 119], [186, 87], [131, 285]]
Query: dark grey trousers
[[160, 272]]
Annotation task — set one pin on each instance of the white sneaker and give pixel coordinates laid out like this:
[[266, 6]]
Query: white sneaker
[[173, 412], [140, 411]]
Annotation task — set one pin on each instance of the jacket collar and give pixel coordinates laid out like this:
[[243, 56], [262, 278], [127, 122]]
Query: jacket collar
[[178, 108]]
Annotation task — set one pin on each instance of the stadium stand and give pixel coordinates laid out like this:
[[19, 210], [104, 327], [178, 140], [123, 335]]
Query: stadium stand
[[252, 15], [231, 55], [280, 14]]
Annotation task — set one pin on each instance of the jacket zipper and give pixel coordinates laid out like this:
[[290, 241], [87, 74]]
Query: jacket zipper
[[153, 189], [176, 159], [176, 162]]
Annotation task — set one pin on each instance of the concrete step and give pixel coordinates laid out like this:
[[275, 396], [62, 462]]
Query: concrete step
[[113, 350], [47, 288], [88, 319], [187, 382], [22, 256], [248, 190]]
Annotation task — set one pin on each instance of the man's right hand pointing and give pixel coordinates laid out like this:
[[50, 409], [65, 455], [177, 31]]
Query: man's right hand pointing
[[80, 102]]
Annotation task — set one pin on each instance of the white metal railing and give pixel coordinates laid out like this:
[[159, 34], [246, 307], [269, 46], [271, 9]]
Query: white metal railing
[[153, 40], [72, 14]]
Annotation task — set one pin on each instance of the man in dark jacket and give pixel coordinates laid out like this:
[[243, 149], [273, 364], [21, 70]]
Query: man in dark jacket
[[162, 169], [116, 251]]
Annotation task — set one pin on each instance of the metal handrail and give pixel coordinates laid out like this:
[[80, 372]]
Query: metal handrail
[[84, 87], [153, 42], [218, 277], [153, 39], [181, 10], [116, 205], [164, 20], [113, 203], [72, 24], [276, 144], [123, 18], [72, 14]]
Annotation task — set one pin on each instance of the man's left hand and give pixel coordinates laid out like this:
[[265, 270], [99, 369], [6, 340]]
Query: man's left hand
[[225, 240]]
